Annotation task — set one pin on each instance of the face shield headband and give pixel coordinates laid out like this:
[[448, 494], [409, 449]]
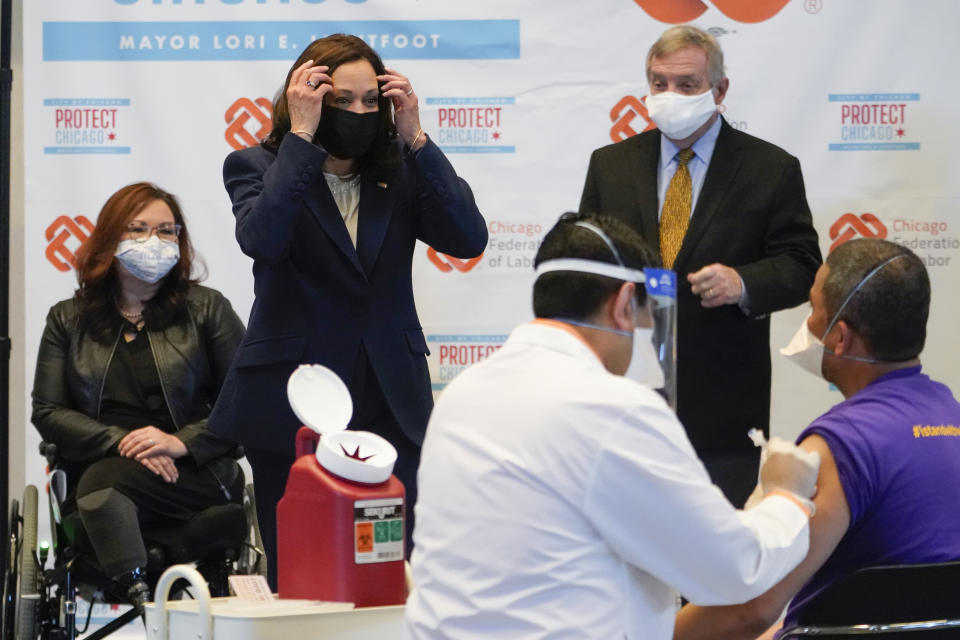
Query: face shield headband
[[582, 265]]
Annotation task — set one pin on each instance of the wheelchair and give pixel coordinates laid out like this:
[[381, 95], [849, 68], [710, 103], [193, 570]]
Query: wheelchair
[[41, 602]]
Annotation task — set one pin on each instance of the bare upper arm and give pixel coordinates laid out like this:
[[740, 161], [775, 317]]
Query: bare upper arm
[[827, 527], [831, 520]]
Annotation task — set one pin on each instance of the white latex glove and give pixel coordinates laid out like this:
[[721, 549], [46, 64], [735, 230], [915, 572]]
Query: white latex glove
[[790, 468], [787, 468]]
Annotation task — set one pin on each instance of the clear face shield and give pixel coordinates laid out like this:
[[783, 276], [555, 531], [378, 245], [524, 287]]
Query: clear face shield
[[661, 285]]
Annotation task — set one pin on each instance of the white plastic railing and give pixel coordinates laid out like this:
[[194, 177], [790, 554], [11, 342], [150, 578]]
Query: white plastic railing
[[160, 630]]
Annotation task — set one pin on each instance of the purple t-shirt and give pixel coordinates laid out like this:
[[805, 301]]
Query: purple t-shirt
[[896, 443]]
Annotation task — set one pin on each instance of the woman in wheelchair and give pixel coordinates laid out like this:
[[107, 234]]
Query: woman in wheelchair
[[127, 372]]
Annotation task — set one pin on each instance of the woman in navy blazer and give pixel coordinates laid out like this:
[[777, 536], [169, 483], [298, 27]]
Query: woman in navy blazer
[[330, 207]]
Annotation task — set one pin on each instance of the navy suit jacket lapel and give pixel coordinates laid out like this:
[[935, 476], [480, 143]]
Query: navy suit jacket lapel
[[721, 174], [375, 212], [327, 214], [644, 164]]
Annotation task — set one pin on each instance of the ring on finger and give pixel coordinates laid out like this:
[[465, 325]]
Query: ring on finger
[[152, 443], [311, 84], [410, 91]]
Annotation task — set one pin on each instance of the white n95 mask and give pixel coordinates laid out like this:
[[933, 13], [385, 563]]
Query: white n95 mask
[[148, 261], [805, 350], [644, 364], [676, 115]]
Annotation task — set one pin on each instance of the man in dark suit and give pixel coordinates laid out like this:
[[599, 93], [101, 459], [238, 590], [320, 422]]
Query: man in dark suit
[[728, 213]]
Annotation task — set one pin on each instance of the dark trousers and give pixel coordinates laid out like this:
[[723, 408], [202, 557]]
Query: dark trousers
[[735, 472], [117, 497], [270, 471]]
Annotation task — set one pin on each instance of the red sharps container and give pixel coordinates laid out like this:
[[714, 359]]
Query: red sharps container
[[340, 523]]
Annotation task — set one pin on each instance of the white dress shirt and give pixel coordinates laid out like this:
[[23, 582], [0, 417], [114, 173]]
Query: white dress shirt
[[557, 500], [346, 193]]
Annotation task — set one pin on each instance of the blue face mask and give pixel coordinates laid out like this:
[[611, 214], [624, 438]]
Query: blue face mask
[[148, 261]]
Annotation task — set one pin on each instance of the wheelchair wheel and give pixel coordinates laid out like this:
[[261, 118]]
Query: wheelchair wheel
[[10, 570], [27, 591]]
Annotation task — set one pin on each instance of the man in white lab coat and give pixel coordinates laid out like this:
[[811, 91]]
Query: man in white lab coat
[[560, 499]]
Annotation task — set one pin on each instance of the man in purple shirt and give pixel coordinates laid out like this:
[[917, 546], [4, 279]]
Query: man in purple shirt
[[890, 451]]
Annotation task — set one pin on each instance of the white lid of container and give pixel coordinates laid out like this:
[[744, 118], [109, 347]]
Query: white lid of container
[[360, 456], [319, 398], [322, 402]]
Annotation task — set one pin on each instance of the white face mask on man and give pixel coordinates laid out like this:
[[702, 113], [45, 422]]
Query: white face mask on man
[[677, 115], [805, 349], [644, 364]]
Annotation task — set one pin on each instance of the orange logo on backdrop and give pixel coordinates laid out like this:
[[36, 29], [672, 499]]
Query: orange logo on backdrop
[[678, 11], [624, 113], [60, 230], [448, 263], [240, 113], [849, 226]]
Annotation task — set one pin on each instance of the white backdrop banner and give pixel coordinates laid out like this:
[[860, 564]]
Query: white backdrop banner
[[518, 94]]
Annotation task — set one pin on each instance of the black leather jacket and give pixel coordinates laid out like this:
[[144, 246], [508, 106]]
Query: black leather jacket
[[192, 360]]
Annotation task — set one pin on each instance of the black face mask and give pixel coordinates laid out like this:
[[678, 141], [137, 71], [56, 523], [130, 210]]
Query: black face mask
[[345, 134]]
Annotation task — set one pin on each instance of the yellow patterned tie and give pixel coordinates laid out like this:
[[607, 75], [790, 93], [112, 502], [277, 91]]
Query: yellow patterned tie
[[675, 217]]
